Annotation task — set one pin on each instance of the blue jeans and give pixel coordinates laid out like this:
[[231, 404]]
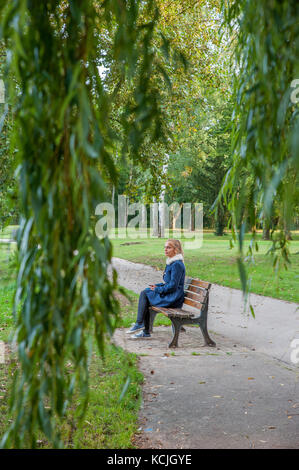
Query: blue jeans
[[143, 310]]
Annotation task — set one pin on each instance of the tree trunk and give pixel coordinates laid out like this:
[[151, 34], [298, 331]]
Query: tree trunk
[[192, 218], [266, 233], [220, 222], [113, 195], [155, 218]]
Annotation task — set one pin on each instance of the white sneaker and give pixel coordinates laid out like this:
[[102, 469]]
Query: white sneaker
[[142, 335], [135, 328]]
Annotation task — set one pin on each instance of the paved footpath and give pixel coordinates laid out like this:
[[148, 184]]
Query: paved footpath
[[242, 394]]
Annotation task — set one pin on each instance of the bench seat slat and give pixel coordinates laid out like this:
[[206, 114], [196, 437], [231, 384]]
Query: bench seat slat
[[174, 312]]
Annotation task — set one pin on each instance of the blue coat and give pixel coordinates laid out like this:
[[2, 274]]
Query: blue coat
[[171, 292]]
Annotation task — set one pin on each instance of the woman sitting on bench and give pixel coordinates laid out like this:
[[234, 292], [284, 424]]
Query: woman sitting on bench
[[169, 293]]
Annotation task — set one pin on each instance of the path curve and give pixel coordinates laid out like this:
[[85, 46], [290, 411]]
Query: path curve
[[243, 394]]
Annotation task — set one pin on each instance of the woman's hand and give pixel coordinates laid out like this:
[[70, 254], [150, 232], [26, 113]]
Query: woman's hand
[[152, 286]]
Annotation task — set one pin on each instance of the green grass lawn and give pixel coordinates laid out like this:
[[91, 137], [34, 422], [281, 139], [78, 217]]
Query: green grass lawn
[[7, 231], [216, 262], [7, 284]]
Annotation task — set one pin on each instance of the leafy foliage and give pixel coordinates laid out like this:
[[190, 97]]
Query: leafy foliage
[[197, 169], [263, 180], [63, 137], [188, 31]]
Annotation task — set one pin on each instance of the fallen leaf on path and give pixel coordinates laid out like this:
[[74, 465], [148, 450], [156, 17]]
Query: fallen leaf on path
[[251, 378], [271, 427]]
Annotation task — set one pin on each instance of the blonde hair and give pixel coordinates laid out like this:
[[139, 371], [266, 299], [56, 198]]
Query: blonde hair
[[176, 245]]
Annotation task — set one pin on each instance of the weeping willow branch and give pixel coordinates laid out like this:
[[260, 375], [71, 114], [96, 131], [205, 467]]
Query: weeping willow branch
[[262, 185], [62, 137]]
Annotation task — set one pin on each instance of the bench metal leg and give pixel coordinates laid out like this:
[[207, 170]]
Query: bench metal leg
[[204, 329], [177, 324], [208, 340], [153, 314], [183, 330]]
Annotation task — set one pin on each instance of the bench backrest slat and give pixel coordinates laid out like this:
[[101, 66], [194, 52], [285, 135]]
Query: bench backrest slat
[[196, 292], [198, 283], [199, 297], [190, 287], [193, 303]]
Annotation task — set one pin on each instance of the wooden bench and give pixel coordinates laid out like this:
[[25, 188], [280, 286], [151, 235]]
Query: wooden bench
[[197, 296]]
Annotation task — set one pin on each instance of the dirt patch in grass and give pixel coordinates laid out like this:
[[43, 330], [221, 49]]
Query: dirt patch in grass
[[132, 243]]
